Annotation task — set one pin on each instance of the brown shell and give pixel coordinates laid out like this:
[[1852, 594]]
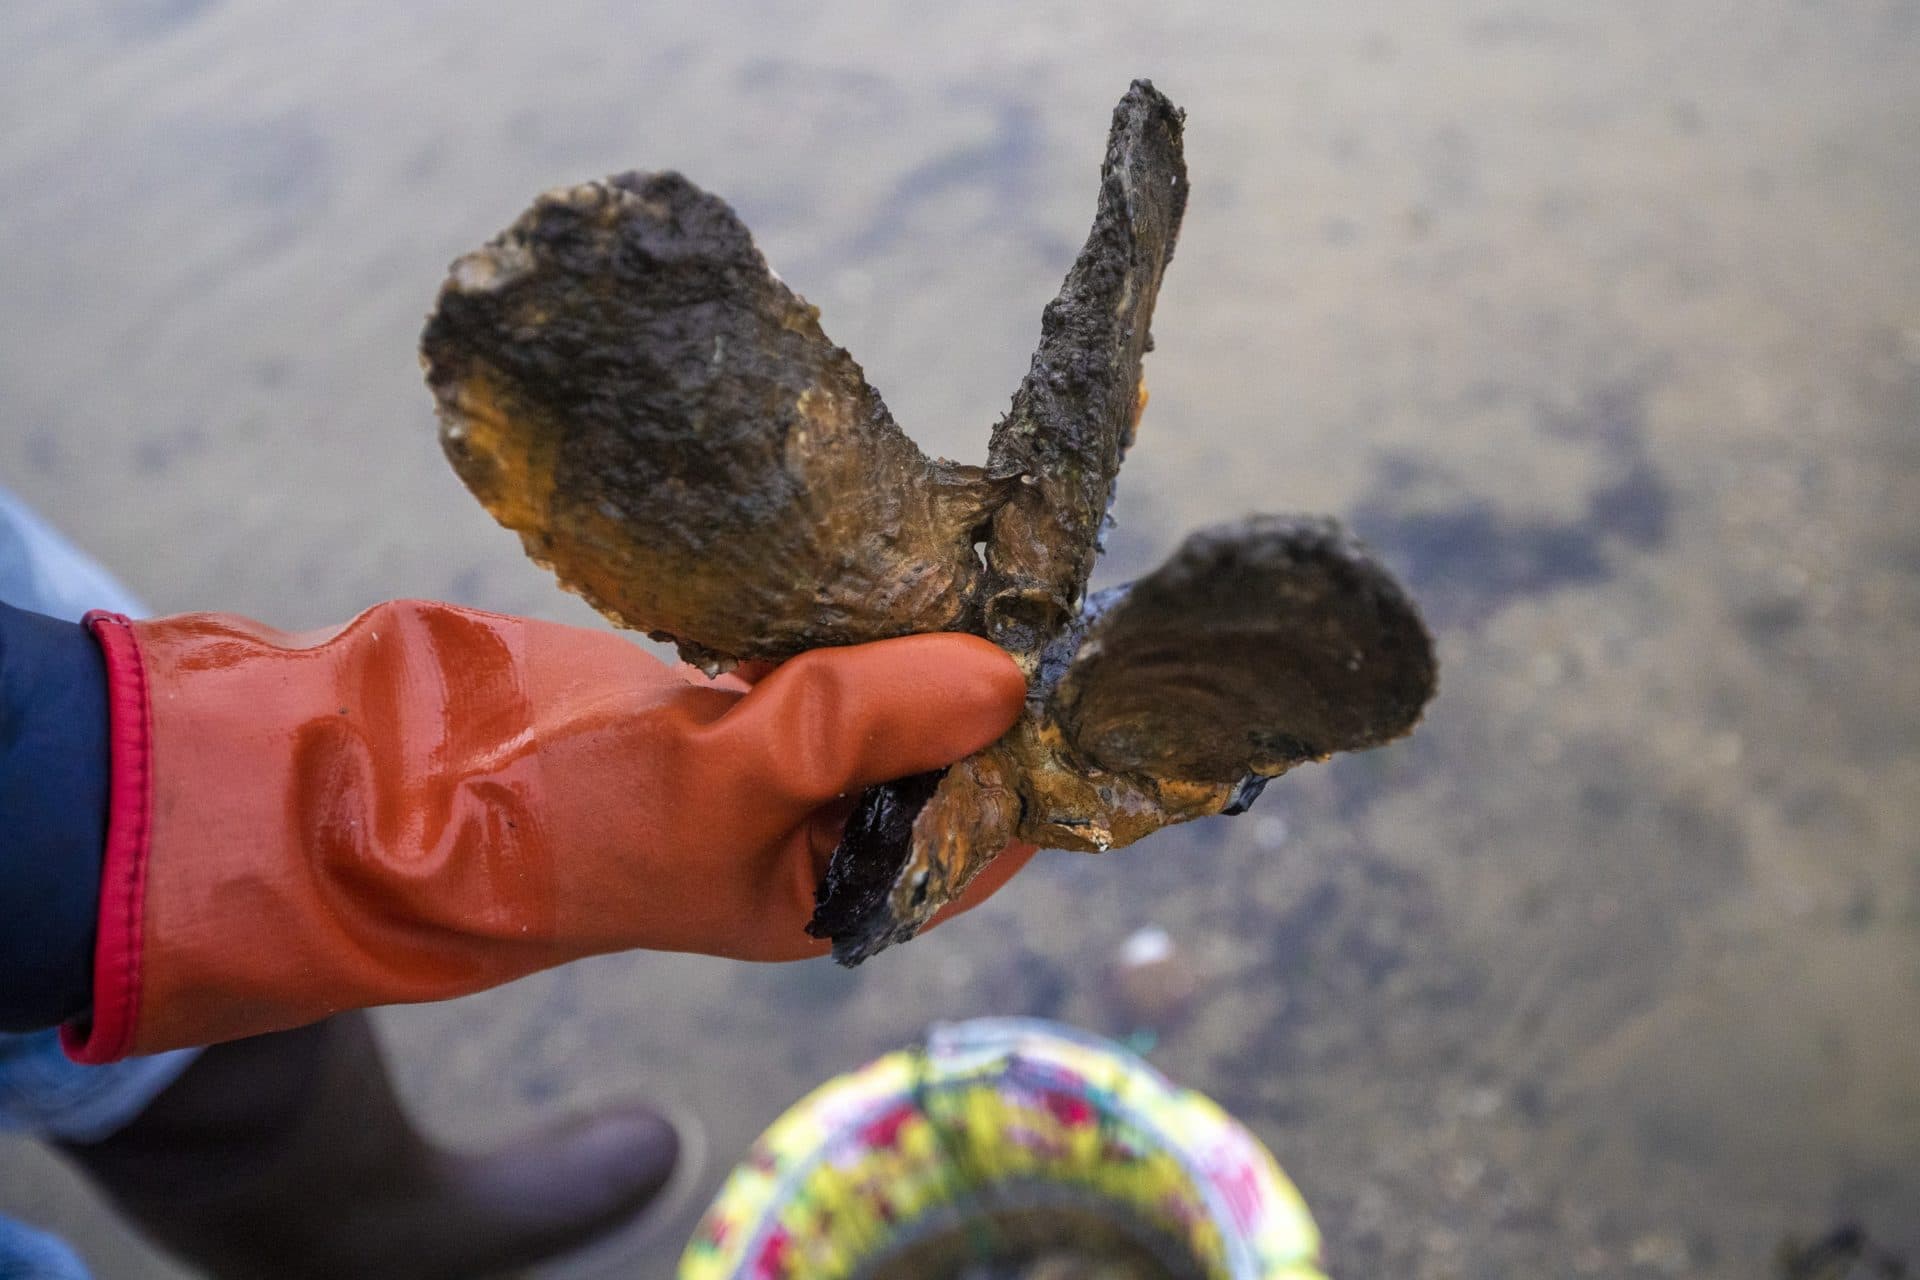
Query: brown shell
[[1259, 645], [623, 382]]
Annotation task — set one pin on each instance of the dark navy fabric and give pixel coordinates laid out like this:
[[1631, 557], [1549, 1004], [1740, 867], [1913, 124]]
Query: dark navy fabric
[[53, 816]]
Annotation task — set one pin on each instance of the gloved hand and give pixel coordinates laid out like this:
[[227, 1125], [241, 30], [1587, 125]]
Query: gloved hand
[[432, 800]]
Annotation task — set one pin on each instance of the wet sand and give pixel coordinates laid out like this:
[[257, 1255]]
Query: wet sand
[[1602, 323]]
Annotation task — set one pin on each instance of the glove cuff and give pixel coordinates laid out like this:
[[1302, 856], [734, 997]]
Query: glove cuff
[[107, 1035]]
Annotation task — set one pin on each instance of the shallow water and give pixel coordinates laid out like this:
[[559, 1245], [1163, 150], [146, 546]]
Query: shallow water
[[1602, 322]]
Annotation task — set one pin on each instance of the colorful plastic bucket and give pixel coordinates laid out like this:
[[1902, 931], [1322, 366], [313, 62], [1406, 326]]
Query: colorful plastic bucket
[[978, 1139]]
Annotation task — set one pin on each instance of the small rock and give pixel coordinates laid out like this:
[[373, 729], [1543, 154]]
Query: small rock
[[1151, 982], [1662, 1252]]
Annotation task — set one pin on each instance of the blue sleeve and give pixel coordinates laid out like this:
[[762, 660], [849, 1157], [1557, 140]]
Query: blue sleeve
[[53, 816]]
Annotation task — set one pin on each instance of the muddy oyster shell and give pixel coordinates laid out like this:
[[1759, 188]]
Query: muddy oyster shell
[[623, 381]]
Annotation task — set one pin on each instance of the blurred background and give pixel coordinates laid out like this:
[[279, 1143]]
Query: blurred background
[[1601, 322]]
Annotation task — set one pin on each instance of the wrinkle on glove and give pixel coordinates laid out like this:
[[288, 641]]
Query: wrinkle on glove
[[432, 800]]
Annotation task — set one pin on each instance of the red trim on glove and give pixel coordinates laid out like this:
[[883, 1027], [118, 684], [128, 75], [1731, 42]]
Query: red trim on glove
[[123, 871]]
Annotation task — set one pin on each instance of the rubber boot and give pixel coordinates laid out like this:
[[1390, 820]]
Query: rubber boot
[[288, 1155]]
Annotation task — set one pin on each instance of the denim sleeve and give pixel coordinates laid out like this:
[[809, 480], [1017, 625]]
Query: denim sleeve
[[53, 816]]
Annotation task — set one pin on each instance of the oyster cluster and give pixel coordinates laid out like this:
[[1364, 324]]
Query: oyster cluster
[[622, 381]]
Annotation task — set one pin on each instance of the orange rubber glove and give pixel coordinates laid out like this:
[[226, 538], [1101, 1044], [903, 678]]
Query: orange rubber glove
[[432, 800]]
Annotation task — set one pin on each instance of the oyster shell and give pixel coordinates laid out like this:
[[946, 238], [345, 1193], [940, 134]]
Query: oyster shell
[[623, 381]]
